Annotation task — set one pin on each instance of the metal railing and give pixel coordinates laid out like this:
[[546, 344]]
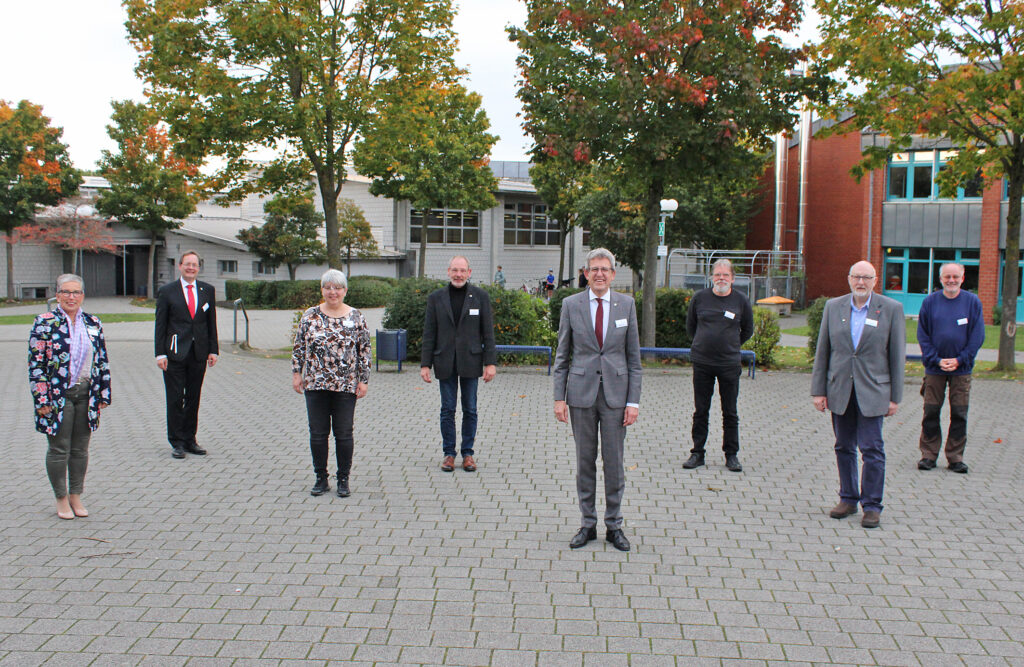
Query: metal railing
[[238, 304], [759, 273]]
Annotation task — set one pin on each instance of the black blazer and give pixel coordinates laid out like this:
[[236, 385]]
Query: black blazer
[[465, 345], [176, 332]]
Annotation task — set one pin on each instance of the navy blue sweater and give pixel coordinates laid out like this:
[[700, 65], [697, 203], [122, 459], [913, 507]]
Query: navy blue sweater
[[950, 329]]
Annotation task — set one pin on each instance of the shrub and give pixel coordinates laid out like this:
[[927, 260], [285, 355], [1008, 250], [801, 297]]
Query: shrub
[[814, 314], [555, 304], [767, 334], [670, 327], [297, 294], [406, 308], [368, 292], [519, 319], [997, 314], [232, 289]]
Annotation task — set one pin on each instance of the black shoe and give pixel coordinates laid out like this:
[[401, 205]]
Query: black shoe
[[343, 491], [618, 539], [321, 487], [926, 464], [194, 448], [695, 461], [959, 467], [582, 537], [177, 452], [732, 462]]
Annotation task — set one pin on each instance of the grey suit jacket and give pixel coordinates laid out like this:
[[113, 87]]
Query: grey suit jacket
[[875, 368], [580, 364]]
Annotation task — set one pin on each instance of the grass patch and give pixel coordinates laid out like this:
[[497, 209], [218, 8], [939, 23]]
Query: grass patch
[[991, 335], [106, 318]]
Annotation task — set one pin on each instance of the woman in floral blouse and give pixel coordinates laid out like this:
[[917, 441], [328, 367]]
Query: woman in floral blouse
[[70, 382], [331, 364]]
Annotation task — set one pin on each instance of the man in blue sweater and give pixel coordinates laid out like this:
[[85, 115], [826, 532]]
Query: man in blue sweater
[[950, 329]]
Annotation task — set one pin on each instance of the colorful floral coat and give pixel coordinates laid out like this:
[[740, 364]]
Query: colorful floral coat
[[49, 365]]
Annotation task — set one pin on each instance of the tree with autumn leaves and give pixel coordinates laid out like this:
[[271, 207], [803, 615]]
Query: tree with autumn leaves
[[300, 78], [150, 183], [35, 170], [657, 88], [289, 232], [951, 69]]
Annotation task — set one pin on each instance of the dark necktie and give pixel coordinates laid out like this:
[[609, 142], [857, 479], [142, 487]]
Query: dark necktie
[[191, 301], [599, 323]]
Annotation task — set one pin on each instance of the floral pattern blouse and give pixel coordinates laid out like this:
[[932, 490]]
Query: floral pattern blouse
[[49, 368], [332, 353]]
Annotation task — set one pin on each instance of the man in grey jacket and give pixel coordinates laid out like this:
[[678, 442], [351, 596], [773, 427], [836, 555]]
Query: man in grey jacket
[[597, 381], [858, 376]]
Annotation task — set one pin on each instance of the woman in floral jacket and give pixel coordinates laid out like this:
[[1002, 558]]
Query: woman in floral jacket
[[69, 377]]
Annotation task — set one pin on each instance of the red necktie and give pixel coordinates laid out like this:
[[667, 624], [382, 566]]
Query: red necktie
[[599, 323], [191, 301]]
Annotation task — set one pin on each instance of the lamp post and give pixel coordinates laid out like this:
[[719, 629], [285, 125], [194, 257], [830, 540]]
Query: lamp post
[[668, 208]]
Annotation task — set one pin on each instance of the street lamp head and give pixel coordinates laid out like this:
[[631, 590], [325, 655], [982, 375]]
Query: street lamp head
[[669, 205], [85, 211]]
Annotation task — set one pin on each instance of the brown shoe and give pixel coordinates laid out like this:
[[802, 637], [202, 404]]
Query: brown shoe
[[871, 519], [468, 464], [842, 510], [448, 464]]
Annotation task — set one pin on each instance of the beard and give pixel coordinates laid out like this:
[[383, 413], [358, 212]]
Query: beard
[[721, 289]]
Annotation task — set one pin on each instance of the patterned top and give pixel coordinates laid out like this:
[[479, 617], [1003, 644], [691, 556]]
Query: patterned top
[[332, 353]]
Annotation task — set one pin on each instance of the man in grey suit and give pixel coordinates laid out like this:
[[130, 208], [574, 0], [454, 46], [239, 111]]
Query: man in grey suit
[[597, 382], [858, 376]]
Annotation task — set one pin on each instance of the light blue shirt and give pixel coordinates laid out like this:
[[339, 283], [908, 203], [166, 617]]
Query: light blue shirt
[[857, 318]]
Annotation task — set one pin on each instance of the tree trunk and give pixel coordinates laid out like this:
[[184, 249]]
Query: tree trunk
[[325, 179], [422, 259], [654, 192], [291, 271], [348, 262], [10, 265], [151, 270], [1008, 326]]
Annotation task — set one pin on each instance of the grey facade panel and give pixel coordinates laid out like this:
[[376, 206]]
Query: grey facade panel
[[1004, 210], [943, 224]]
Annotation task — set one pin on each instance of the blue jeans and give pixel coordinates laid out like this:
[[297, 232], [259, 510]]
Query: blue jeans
[[449, 392], [855, 431]]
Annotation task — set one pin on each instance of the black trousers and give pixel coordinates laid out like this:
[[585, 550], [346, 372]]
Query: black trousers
[[183, 385], [330, 411], [704, 378]]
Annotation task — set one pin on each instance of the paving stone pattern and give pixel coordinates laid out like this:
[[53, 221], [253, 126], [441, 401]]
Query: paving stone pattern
[[227, 559]]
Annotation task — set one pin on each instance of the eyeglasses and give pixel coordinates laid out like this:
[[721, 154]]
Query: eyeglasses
[[332, 288], [858, 278], [600, 269], [69, 292]]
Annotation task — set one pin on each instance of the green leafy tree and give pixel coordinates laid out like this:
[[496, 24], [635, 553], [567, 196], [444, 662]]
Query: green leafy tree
[[616, 219], [355, 236], [562, 183], [35, 170], [299, 77], [430, 147], [656, 87], [939, 69], [288, 234], [150, 183]]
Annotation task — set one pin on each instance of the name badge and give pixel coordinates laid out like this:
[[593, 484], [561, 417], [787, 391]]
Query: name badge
[[348, 324], [729, 315], [870, 322], [621, 323], [474, 311], [206, 306], [962, 321], [93, 331]]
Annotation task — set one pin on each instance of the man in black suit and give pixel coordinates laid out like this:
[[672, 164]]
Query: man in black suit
[[458, 341], [186, 343]]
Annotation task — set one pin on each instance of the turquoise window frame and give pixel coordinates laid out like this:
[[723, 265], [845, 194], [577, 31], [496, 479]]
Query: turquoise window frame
[[930, 159]]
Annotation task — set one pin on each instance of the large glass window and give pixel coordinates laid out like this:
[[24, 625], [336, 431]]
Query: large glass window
[[916, 270], [912, 176], [528, 224], [446, 226]]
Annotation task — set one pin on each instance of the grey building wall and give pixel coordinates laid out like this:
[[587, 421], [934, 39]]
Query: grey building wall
[[941, 224]]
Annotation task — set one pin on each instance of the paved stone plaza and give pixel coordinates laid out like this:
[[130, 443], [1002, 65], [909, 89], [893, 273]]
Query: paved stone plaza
[[227, 559]]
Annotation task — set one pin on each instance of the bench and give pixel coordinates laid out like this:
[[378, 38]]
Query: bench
[[745, 355], [526, 349]]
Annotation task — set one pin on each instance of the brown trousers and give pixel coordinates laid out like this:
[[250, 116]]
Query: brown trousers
[[933, 391]]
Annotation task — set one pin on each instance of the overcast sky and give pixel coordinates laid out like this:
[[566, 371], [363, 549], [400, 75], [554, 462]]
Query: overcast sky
[[73, 58]]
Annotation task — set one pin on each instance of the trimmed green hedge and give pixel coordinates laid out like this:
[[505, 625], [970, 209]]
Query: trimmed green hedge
[[555, 304], [363, 292], [369, 291], [672, 304], [814, 313], [406, 308]]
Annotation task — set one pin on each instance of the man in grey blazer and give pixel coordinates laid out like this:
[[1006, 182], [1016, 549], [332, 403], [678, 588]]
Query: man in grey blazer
[[597, 382], [858, 376]]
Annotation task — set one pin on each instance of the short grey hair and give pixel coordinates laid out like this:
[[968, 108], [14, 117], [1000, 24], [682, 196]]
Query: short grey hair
[[600, 253], [70, 278], [333, 277], [963, 269], [723, 262], [463, 258]]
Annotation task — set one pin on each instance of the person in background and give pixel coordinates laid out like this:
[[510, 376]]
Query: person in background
[[549, 283], [499, 277], [581, 279], [331, 366], [950, 330], [69, 377]]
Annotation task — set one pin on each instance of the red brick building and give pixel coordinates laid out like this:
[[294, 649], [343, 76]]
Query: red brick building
[[894, 218]]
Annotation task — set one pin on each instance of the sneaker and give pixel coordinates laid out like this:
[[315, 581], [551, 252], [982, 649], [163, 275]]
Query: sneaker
[[926, 464], [320, 487], [959, 467], [695, 461], [343, 491]]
